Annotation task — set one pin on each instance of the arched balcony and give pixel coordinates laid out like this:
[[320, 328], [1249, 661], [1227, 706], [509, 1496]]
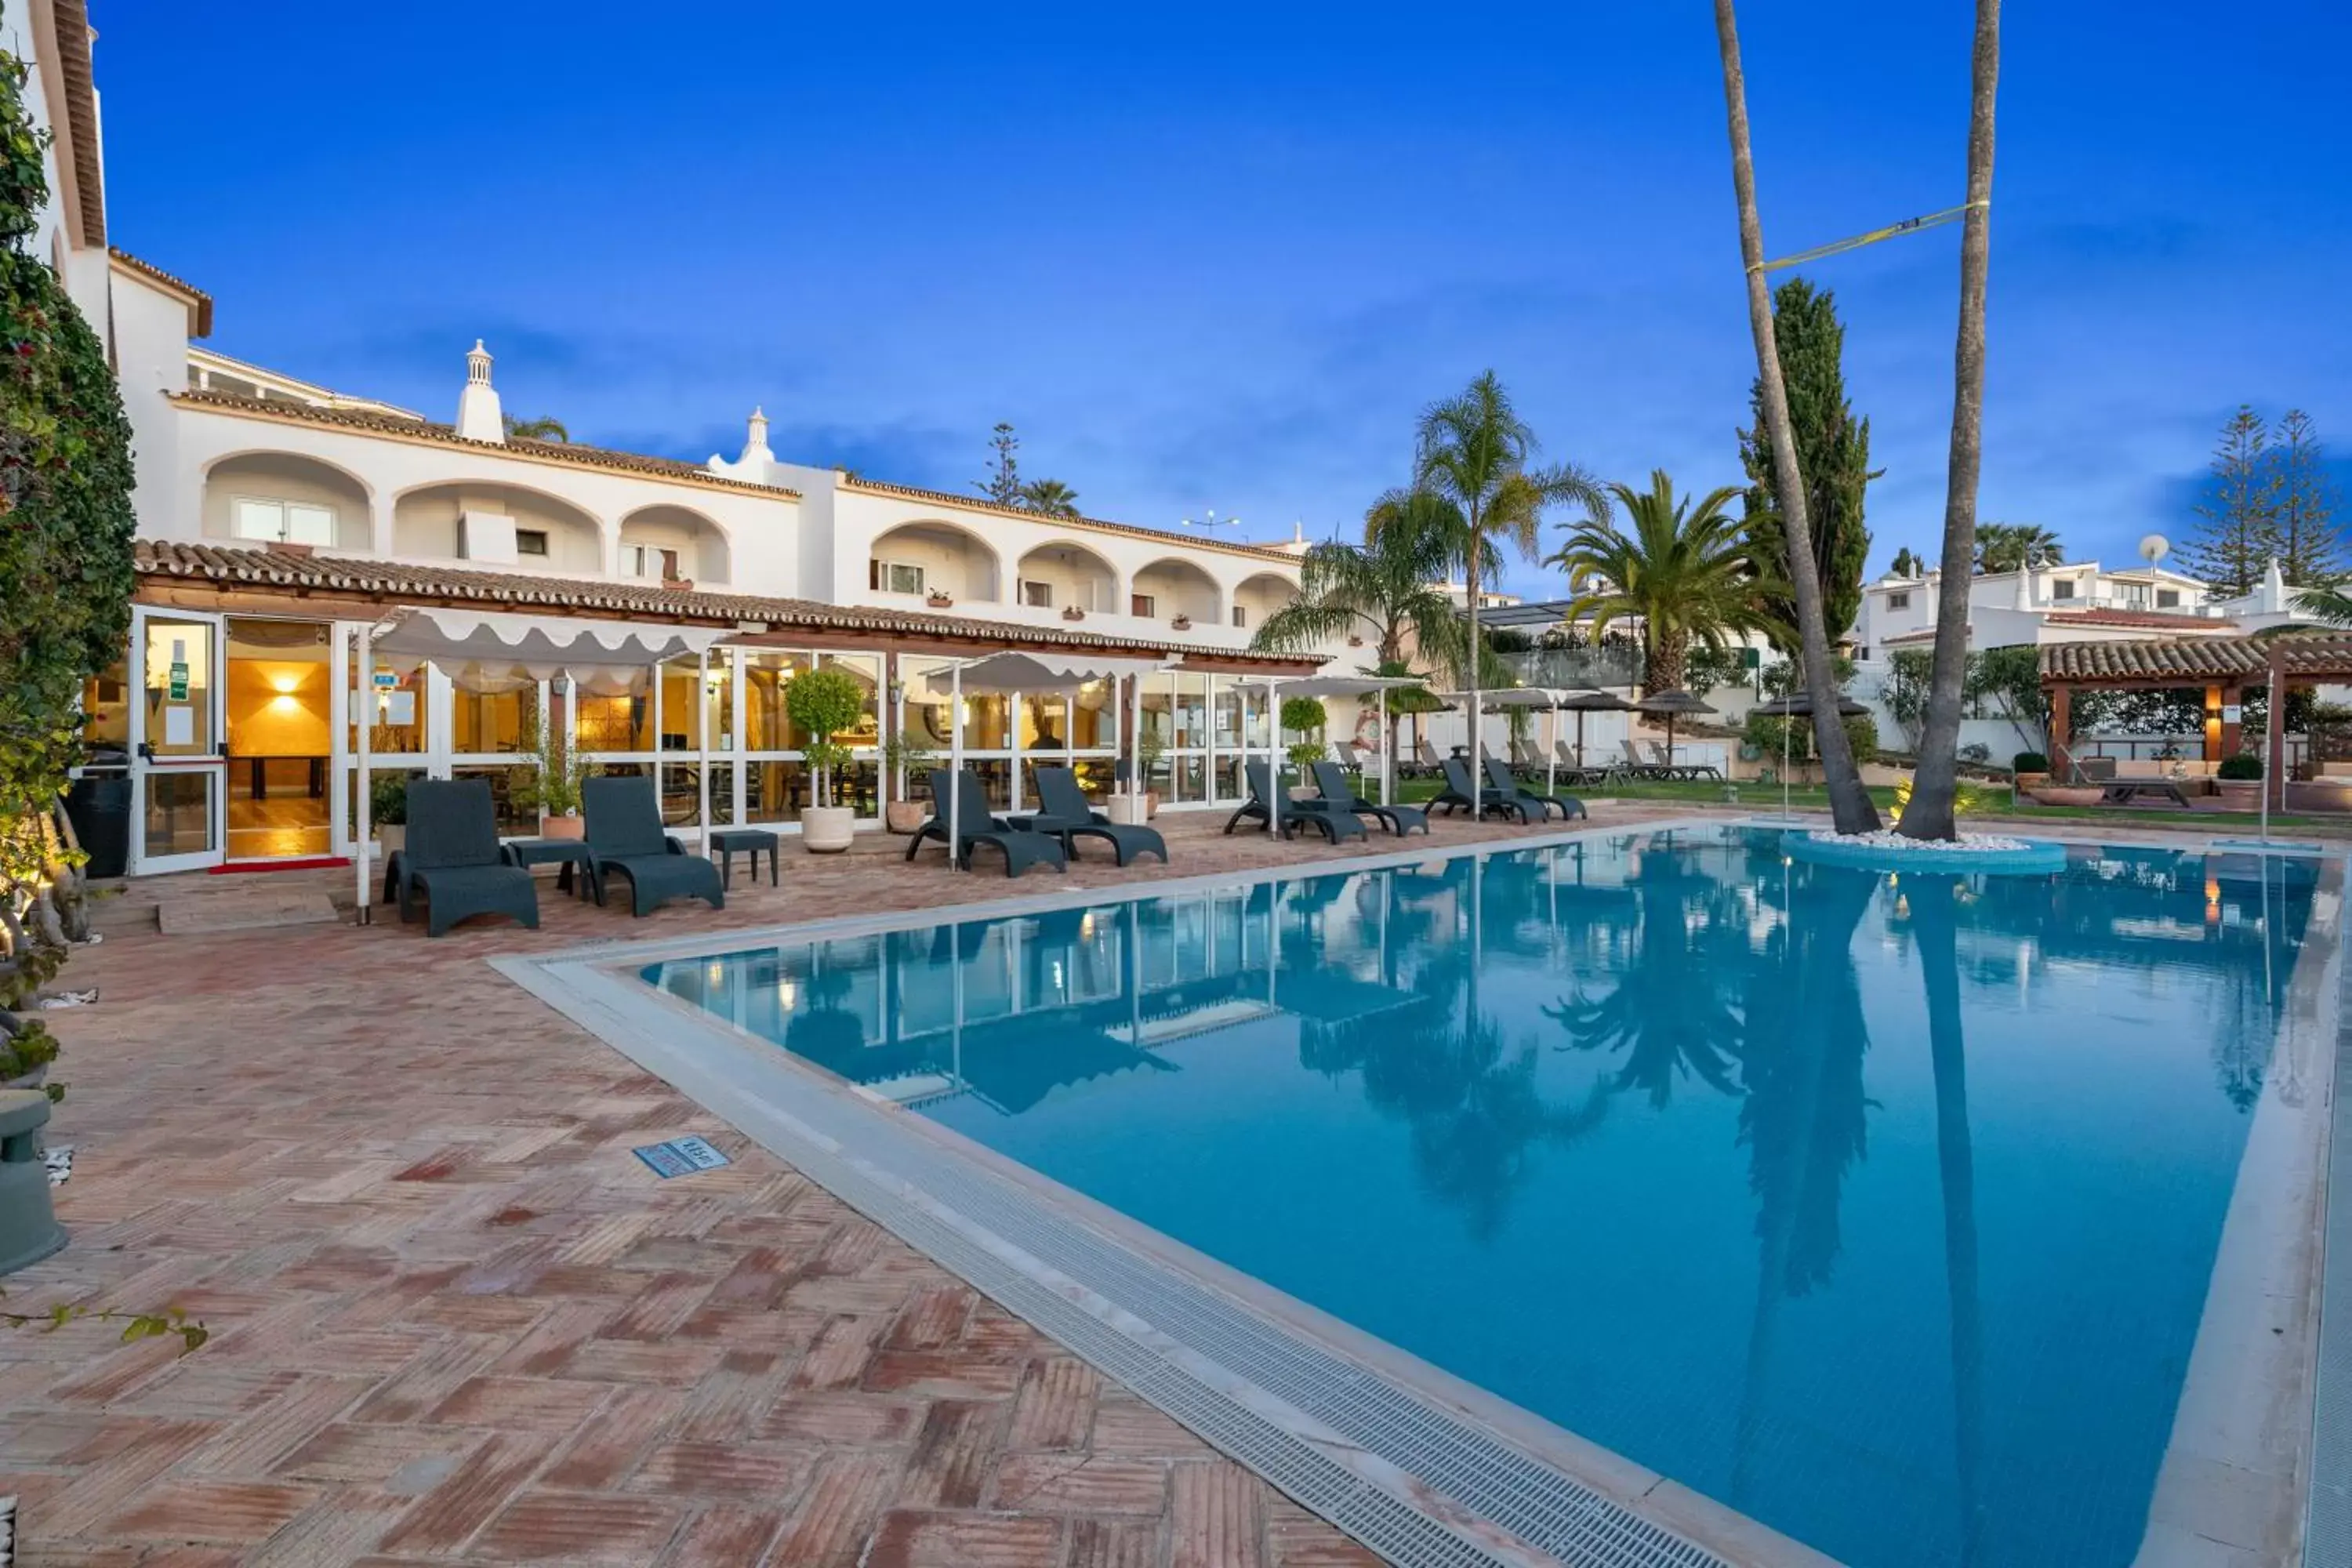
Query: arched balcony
[[1063, 576], [1169, 588], [280, 498], [1258, 596], [502, 525], [916, 559], [672, 544]]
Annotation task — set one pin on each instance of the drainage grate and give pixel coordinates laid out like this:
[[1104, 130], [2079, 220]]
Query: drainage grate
[[2327, 1516], [1173, 1342]]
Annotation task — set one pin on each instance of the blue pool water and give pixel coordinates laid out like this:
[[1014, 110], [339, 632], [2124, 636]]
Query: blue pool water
[[1880, 1209]]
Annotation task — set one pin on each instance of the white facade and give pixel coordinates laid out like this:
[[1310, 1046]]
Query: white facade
[[2075, 602]]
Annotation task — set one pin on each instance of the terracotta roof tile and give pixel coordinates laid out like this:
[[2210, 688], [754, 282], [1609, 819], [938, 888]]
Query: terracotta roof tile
[[295, 570], [441, 435], [2154, 620], [2311, 655], [73, 30], [1134, 530]]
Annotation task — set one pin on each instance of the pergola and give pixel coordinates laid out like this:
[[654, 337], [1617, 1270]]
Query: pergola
[[2224, 667]]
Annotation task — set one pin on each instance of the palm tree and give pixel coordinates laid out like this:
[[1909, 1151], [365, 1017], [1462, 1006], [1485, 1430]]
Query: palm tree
[[1850, 804], [2012, 546], [1685, 572], [546, 427], [1935, 783], [1050, 497], [2330, 604], [1381, 590], [1472, 452]]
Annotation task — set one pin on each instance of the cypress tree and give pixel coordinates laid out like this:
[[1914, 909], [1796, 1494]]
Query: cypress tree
[[1832, 457]]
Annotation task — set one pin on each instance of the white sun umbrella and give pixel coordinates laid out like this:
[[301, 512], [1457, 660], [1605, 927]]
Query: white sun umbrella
[[1523, 696], [502, 644], [1011, 671]]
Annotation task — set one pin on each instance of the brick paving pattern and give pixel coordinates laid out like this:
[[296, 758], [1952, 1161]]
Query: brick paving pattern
[[455, 1318]]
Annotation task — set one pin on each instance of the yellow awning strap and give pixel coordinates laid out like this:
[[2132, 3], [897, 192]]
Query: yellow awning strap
[[1838, 248]]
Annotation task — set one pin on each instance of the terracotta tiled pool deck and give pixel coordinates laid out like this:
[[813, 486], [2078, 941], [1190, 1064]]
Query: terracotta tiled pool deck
[[455, 1320]]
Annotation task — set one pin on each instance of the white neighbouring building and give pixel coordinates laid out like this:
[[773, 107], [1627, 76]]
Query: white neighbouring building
[[277, 516]]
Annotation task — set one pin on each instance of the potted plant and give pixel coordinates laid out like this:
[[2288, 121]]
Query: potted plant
[[1072, 613], [1308, 715], [939, 600], [1151, 746], [1182, 623], [551, 787], [823, 702], [388, 810], [2239, 782], [904, 757], [26, 1049], [2030, 770]]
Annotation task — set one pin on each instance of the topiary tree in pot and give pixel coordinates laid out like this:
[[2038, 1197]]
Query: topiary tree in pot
[[823, 702], [1306, 716]]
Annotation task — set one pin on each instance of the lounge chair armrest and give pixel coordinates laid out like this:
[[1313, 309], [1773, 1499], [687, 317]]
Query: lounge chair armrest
[[677, 845]]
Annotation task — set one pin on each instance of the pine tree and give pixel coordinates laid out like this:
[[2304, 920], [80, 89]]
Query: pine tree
[[1832, 457], [1003, 485], [2230, 545], [2311, 544]]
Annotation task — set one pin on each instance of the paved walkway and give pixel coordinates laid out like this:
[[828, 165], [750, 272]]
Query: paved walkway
[[454, 1319]]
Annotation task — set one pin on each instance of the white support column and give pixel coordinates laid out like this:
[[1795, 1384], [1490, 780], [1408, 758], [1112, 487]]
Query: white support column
[[1388, 759], [702, 737], [380, 530], [955, 770], [364, 723]]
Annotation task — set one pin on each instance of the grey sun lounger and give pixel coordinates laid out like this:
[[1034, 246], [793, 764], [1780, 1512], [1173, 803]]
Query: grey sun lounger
[[1289, 815], [625, 835], [1398, 820], [1506, 784], [1022, 847], [1457, 794], [1063, 811], [452, 858]]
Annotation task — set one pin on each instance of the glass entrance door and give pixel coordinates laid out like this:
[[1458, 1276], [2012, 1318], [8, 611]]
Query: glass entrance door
[[177, 766], [279, 704]]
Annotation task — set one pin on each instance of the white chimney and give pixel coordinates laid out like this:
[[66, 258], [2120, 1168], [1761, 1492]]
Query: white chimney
[[755, 442], [479, 418], [2024, 588], [756, 460]]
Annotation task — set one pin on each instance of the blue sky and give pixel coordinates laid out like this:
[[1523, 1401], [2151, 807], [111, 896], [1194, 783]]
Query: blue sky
[[1218, 255]]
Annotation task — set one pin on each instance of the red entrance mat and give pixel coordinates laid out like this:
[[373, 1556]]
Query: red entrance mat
[[315, 862]]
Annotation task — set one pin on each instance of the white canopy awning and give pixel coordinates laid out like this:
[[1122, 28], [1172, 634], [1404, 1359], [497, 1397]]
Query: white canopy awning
[[491, 644], [1509, 697], [1039, 673], [1336, 685]]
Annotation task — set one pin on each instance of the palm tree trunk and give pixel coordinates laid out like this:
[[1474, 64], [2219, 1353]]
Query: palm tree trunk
[[1849, 804], [1956, 1161], [1935, 782], [1470, 576]]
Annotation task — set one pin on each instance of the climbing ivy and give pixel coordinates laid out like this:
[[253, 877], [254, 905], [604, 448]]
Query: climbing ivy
[[66, 526]]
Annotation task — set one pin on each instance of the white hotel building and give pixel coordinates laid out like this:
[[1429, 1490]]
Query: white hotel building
[[277, 517]]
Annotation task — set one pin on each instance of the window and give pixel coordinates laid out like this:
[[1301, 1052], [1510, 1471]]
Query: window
[[2062, 587], [648, 561], [1240, 617], [895, 577], [1037, 596], [285, 522], [2167, 598], [530, 542], [1143, 604], [1898, 601]]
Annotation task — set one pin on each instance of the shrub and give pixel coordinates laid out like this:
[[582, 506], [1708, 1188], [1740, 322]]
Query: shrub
[[388, 796], [2245, 766], [823, 702], [1765, 733], [1304, 714], [2029, 762]]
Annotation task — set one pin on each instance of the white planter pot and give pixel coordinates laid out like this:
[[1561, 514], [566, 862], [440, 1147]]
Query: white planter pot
[[1128, 810], [393, 836], [828, 829]]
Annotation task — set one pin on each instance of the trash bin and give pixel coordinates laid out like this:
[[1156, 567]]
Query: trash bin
[[97, 803]]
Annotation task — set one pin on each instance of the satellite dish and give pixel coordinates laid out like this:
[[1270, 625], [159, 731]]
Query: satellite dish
[[2154, 548]]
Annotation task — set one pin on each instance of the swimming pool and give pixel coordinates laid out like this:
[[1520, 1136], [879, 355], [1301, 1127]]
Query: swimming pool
[[1882, 1210]]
